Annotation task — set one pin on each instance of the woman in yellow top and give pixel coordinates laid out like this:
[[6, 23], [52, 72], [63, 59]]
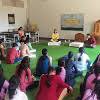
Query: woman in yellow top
[[55, 36]]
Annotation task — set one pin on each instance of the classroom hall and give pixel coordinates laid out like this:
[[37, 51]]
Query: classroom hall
[[49, 50]]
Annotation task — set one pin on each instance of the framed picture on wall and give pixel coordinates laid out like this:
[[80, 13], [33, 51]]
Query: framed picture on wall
[[74, 22], [11, 18]]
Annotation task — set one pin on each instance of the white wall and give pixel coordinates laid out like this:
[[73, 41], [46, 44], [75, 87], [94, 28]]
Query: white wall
[[20, 16], [47, 13]]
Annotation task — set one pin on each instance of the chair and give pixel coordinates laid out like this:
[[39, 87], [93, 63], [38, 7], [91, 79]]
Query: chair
[[28, 35], [96, 32], [79, 40], [16, 37], [79, 37], [2, 37], [35, 37]]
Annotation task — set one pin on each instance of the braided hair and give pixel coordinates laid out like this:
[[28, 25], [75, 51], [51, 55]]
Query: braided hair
[[48, 81]]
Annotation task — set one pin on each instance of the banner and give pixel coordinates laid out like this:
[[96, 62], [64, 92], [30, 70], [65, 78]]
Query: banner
[[74, 22]]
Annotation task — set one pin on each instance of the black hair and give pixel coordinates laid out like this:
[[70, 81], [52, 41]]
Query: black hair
[[44, 51], [97, 60], [88, 34], [14, 45], [2, 79], [23, 38], [96, 72], [70, 55], [27, 40], [0, 41], [20, 28], [97, 89], [58, 70], [22, 41], [25, 63], [81, 51], [13, 85], [48, 81], [61, 62]]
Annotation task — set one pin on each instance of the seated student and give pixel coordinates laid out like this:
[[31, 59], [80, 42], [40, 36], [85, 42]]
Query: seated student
[[65, 57], [82, 60], [30, 46], [90, 82], [24, 73], [2, 51], [3, 85], [71, 70], [52, 87], [93, 94], [60, 70], [55, 36], [13, 55], [21, 32], [90, 41], [24, 50], [22, 39], [43, 63], [14, 93]]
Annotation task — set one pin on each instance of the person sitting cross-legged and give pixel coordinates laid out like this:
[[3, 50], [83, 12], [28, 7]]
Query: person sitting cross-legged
[[52, 87], [90, 41], [71, 70], [55, 36], [13, 55], [4, 84], [43, 63], [14, 93], [21, 32], [93, 94], [24, 73], [82, 60], [60, 70]]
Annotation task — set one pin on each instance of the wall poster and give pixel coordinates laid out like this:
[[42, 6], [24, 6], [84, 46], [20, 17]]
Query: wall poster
[[74, 22], [11, 18]]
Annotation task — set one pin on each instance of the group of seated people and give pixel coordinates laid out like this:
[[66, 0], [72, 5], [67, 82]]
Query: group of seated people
[[18, 50], [90, 88], [55, 82], [70, 66], [50, 84], [89, 42], [15, 88]]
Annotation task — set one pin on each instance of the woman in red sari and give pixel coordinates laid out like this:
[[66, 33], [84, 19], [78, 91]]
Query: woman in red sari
[[52, 87]]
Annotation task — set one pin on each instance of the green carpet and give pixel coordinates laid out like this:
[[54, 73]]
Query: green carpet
[[55, 52]]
